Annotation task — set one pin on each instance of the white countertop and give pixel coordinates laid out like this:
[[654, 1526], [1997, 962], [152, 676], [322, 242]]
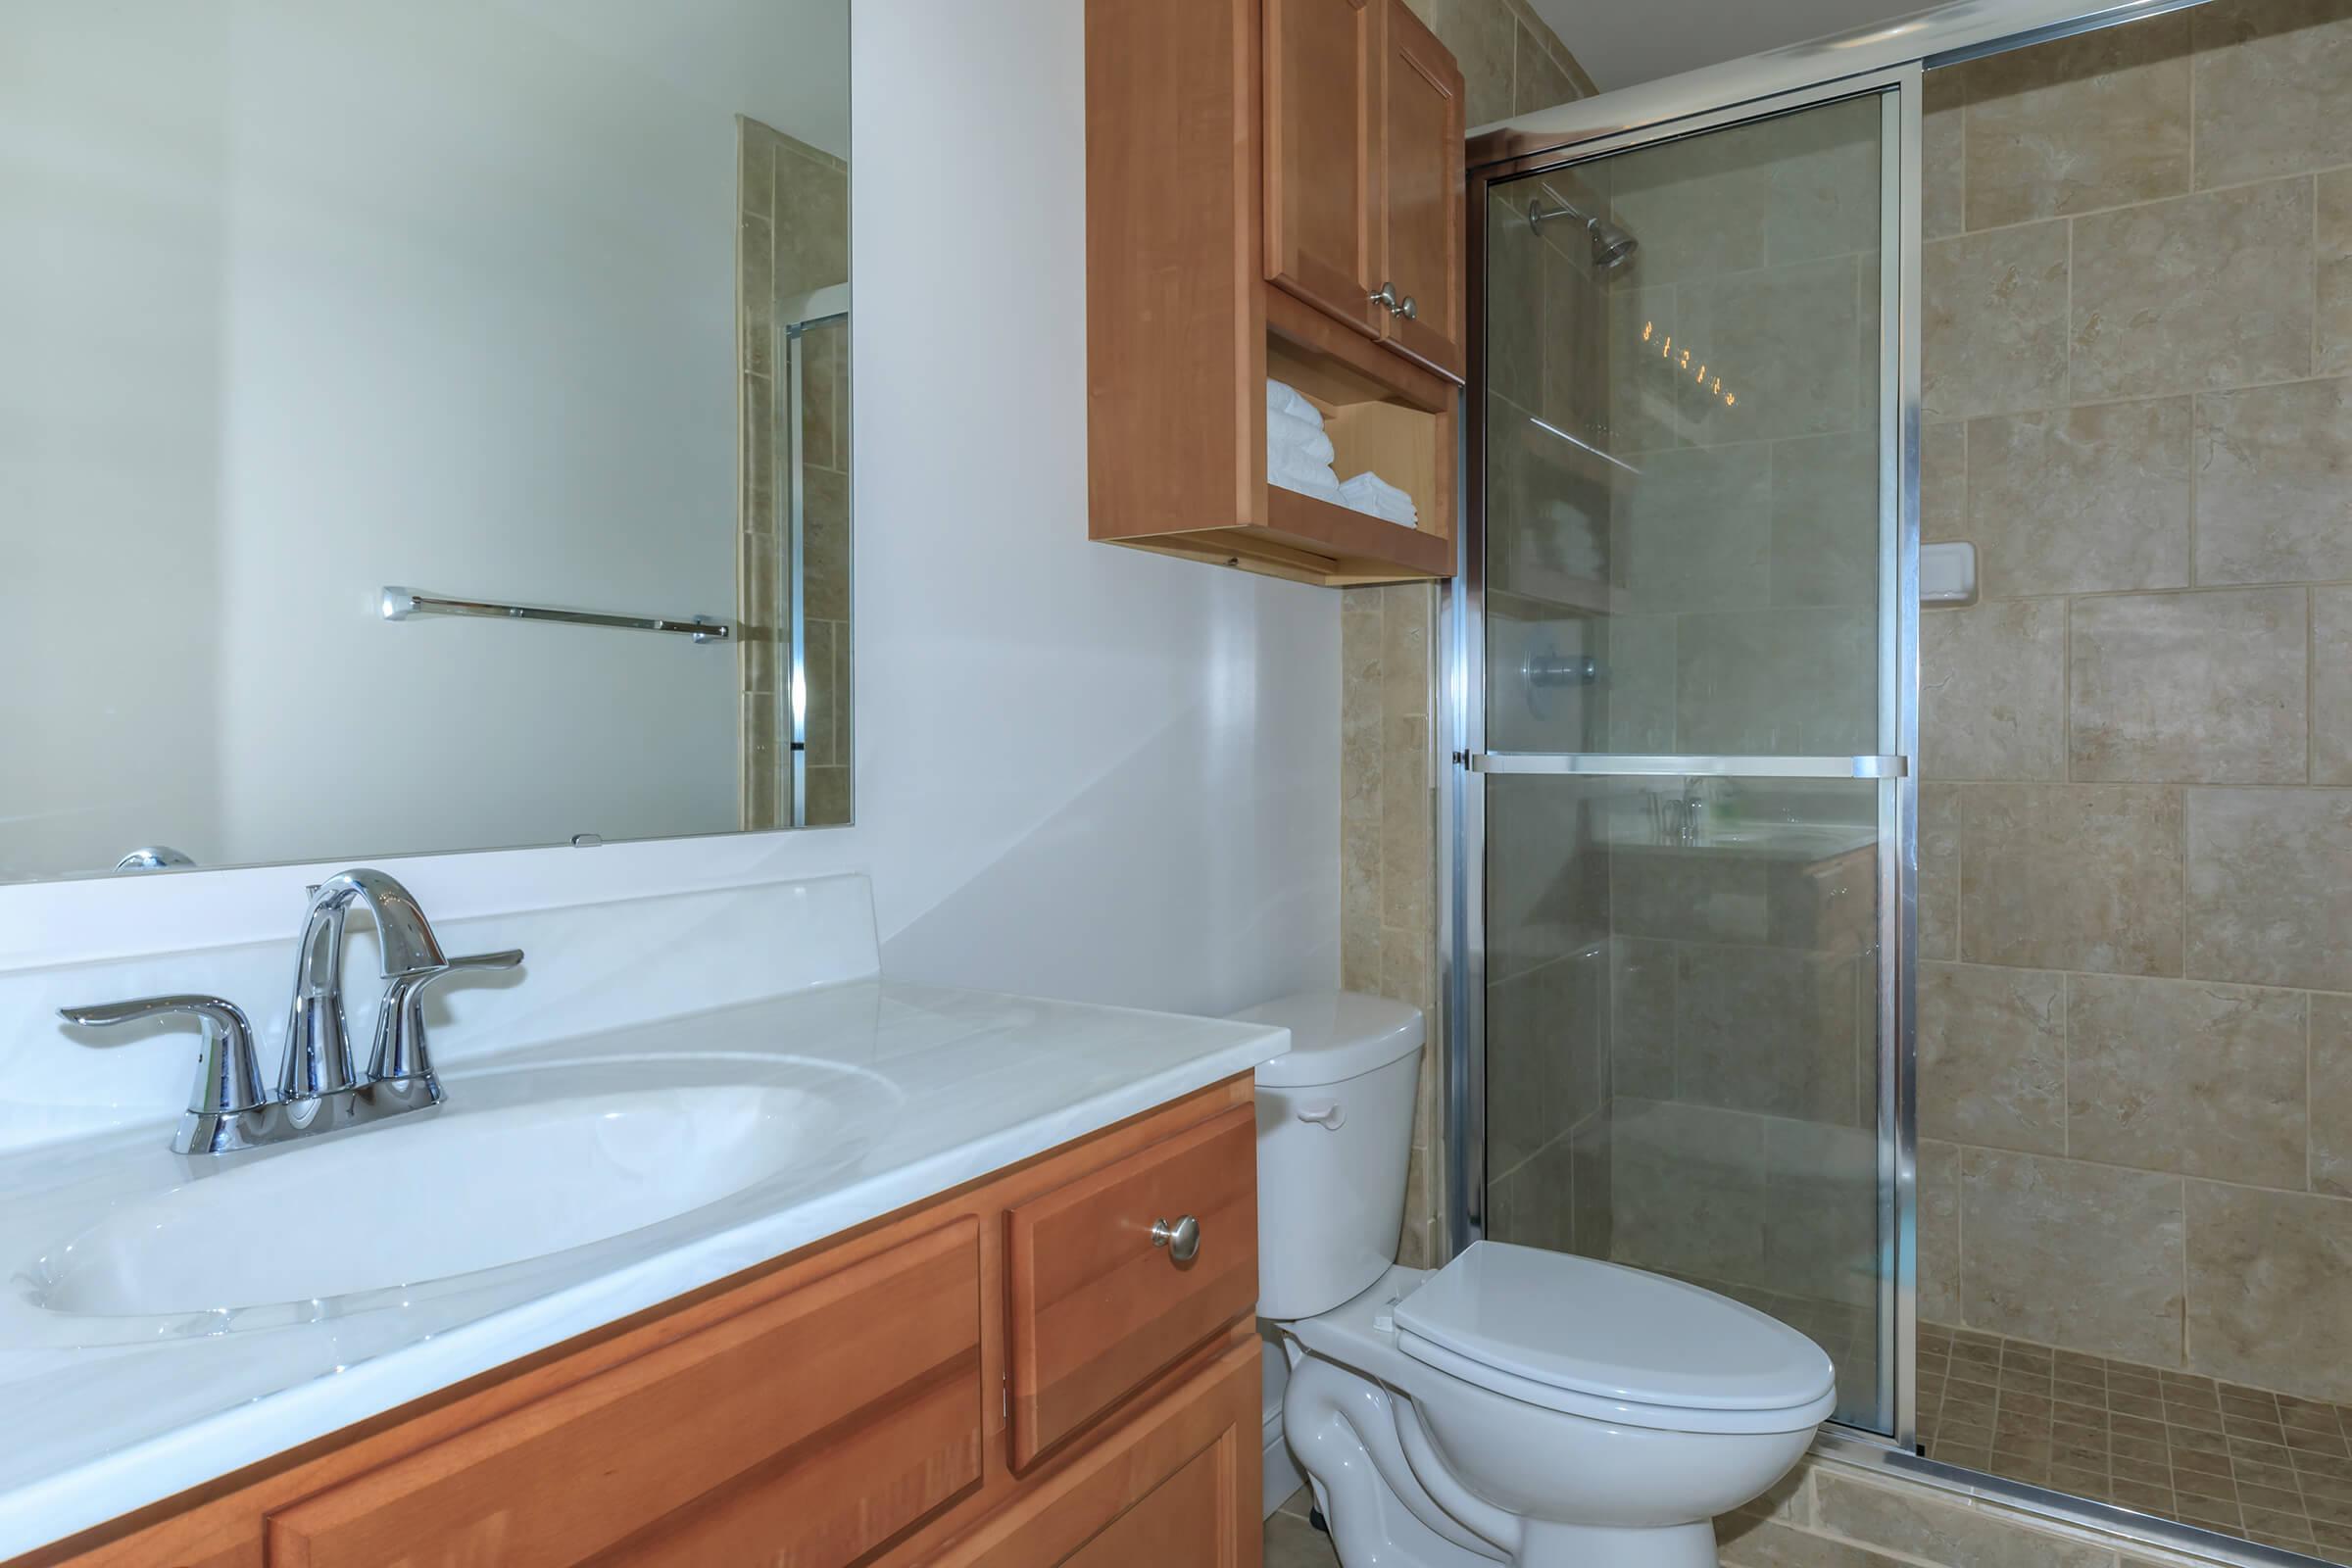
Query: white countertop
[[112, 1413]]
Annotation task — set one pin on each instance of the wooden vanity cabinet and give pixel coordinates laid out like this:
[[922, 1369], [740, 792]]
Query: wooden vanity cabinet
[[1092, 1313], [851, 1405], [1256, 172], [1177, 1490]]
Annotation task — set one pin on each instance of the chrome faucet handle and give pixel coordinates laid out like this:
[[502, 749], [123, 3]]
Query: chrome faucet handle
[[401, 1055], [228, 1079]]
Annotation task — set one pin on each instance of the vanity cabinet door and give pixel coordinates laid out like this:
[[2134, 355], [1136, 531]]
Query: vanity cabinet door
[[1096, 1306], [1322, 177], [1178, 1486], [809, 1429], [1422, 182]]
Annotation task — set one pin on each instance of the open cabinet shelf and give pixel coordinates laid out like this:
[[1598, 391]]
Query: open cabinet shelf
[[1383, 416], [1307, 540]]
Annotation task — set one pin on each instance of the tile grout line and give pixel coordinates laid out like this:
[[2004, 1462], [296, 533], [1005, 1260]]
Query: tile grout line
[[2314, 172], [2067, 374], [2066, 690], [2027, 409], [2184, 1251]]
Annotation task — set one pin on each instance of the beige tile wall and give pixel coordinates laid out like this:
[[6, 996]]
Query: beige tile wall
[[791, 237], [1388, 854], [2137, 839], [1512, 62]]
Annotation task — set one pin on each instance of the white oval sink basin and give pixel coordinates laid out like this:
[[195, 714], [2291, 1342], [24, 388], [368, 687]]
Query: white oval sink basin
[[467, 1187]]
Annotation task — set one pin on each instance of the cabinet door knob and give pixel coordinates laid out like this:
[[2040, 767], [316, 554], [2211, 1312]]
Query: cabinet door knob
[[1387, 297], [1409, 309], [1181, 1238]]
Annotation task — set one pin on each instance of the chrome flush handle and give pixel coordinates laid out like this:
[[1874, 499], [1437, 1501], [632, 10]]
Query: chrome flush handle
[[1181, 1238]]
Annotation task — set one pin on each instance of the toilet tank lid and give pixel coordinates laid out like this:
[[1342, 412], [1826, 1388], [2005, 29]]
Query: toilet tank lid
[[1334, 1036]]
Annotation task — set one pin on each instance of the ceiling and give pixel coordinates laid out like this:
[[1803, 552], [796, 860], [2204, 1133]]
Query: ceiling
[[1623, 44]]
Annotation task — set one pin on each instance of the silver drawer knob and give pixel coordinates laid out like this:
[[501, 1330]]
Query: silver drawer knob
[[1181, 1238]]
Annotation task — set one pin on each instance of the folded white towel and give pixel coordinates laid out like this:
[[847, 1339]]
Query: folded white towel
[[1326, 488], [1286, 432], [1369, 493], [1293, 472], [1283, 398], [1572, 542]]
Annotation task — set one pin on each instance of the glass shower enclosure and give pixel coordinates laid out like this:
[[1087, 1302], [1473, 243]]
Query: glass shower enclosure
[[1688, 648]]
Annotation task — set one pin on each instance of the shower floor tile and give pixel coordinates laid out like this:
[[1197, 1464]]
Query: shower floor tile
[[2262, 1466]]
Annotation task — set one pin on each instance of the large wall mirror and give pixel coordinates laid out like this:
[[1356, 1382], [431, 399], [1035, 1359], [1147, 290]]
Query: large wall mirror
[[422, 426]]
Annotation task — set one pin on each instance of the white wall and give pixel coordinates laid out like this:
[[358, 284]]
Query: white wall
[[1082, 772]]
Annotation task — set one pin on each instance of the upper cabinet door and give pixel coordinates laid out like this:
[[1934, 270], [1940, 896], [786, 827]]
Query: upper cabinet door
[[1421, 149], [1322, 80]]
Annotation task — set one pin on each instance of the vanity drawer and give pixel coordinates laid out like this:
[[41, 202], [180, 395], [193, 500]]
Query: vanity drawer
[[809, 1429], [1095, 1307]]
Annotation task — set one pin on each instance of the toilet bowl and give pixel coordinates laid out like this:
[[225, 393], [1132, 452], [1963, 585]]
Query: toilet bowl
[[1516, 1405]]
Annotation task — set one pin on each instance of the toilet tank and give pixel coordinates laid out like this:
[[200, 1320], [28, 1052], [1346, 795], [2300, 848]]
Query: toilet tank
[[1335, 1127]]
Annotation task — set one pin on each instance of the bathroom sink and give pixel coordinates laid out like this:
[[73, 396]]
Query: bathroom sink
[[495, 1178]]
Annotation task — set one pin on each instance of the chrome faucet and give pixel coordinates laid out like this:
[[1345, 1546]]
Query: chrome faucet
[[317, 1091], [317, 1061]]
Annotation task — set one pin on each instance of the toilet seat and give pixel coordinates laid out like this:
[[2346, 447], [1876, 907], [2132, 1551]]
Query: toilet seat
[[1611, 1344]]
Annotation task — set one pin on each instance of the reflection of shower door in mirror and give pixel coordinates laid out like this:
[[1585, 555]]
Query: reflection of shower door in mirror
[[1687, 608]]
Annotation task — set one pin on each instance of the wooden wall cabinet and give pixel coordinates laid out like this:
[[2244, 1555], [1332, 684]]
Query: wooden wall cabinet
[[883, 1399], [1262, 177], [1421, 132], [1364, 183], [1323, 222]]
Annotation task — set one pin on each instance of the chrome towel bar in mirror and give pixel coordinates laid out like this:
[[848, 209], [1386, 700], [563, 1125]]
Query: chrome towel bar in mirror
[[401, 604]]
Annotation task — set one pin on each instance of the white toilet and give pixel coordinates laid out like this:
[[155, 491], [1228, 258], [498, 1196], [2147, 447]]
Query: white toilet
[[1516, 1405]]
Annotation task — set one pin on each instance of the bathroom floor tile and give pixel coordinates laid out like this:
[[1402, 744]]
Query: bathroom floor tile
[[2254, 1463], [1292, 1543]]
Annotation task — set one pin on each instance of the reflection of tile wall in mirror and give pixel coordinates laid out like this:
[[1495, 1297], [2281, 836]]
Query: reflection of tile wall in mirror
[[793, 241]]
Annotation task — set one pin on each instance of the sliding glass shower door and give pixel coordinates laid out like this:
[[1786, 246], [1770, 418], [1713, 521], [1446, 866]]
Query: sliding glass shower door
[[1691, 631]]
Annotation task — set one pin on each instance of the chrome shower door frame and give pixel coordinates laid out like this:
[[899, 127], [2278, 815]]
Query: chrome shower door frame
[[1462, 937]]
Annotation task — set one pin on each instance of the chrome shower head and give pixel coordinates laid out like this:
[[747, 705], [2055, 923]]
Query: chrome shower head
[[1612, 246]]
